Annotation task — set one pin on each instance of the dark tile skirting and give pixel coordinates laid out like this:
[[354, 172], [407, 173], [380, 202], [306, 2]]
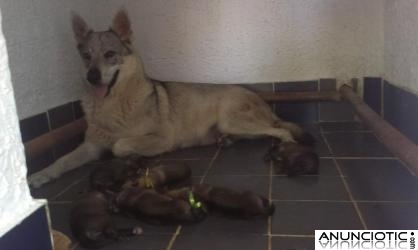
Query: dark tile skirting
[[398, 106], [37, 125]]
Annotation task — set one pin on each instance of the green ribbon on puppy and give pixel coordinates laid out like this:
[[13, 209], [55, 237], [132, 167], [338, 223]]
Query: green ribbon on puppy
[[192, 201]]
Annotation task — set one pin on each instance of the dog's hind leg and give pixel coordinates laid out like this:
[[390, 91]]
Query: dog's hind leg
[[252, 117], [84, 153]]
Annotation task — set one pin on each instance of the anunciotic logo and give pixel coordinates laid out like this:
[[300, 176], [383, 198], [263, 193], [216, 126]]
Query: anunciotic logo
[[364, 239]]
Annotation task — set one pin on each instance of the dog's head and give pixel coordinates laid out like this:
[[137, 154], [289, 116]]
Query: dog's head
[[103, 52]]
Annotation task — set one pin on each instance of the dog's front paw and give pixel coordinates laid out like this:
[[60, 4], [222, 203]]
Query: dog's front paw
[[36, 180]]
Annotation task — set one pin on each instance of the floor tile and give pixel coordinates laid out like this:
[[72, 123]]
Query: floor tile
[[292, 243], [226, 241], [342, 126], [257, 184], [200, 152], [390, 216], [327, 168], [223, 225], [148, 242], [309, 188], [242, 158], [54, 187], [353, 144], [380, 180], [306, 217], [74, 192]]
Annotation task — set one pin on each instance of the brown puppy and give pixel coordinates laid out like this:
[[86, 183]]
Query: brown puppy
[[244, 204], [160, 176], [157, 208], [294, 159], [110, 175], [91, 223]]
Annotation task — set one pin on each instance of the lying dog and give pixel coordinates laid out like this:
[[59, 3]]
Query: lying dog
[[91, 223], [293, 159], [128, 113]]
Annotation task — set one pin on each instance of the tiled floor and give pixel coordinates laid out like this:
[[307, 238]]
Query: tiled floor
[[360, 185]]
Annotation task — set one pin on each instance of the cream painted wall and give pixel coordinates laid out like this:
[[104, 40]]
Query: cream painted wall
[[401, 43], [230, 41]]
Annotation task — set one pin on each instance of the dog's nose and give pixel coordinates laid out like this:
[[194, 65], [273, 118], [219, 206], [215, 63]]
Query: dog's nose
[[94, 76]]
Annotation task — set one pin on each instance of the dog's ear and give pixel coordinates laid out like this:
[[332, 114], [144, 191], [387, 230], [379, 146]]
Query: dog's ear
[[80, 28], [122, 26]]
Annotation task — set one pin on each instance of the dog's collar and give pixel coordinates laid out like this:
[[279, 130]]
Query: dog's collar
[[112, 82]]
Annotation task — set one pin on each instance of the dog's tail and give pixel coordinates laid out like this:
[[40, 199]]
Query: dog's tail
[[298, 133]]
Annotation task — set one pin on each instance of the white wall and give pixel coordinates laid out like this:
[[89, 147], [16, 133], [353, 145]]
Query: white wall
[[401, 43], [233, 41], [258, 40], [15, 200]]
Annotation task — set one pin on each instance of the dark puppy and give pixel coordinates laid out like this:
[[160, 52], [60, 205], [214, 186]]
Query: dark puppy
[[111, 174], [91, 222], [244, 204], [294, 159], [157, 208], [161, 176]]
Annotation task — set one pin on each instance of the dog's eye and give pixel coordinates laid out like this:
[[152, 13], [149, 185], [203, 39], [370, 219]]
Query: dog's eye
[[109, 54], [86, 56]]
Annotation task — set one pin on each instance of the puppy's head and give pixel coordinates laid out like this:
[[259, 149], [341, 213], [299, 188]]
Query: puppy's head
[[103, 52], [294, 159]]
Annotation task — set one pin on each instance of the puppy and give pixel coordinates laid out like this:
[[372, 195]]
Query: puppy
[[91, 223], [110, 175], [156, 208], [161, 176], [294, 159], [241, 204]]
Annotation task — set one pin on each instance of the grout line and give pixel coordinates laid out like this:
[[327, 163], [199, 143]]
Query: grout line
[[347, 132], [173, 238], [293, 235], [211, 164], [333, 201], [345, 201], [182, 159], [359, 158], [68, 187], [350, 195], [407, 167]]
